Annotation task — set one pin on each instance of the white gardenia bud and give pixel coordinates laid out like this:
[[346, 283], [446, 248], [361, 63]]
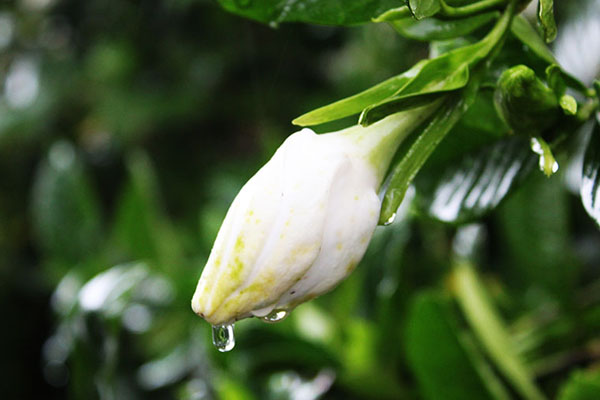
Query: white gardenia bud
[[302, 223]]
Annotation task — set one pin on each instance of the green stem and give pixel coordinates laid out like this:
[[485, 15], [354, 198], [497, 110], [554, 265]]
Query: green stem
[[470, 9], [393, 14]]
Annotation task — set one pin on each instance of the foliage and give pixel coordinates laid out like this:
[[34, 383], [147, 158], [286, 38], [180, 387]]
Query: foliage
[[126, 129]]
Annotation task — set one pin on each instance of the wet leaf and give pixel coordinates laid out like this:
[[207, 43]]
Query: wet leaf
[[440, 356], [546, 19], [355, 104], [424, 8], [438, 29], [590, 185], [476, 184], [444, 73], [328, 12], [527, 34], [455, 80]]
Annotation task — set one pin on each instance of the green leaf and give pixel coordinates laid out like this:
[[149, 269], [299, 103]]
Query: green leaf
[[477, 183], [358, 102], [490, 330], [527, 34], [444, 363], [438, 29], [546, 19], [582, 385], [65, 209], [590, 185], [424, 8], [327, 12], [454, 80], [446, 72]]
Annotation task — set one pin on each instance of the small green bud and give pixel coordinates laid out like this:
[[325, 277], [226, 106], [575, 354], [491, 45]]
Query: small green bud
[[526, 104]]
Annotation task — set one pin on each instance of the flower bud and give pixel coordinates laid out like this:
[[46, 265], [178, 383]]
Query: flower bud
[[302, 223], [526, 104]]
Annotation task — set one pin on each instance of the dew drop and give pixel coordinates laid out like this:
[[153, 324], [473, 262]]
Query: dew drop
[[390, 220], [275, 316], [223, 338]]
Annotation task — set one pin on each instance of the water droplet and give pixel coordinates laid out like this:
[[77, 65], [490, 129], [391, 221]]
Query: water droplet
[[223, 338], [390, 220], [275, 316]]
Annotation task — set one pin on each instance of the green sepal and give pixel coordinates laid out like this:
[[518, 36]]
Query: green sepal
[[422, 146]]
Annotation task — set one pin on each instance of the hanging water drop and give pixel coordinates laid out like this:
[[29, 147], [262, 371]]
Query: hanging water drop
[[275, 316], [223, 338], [390, 220]]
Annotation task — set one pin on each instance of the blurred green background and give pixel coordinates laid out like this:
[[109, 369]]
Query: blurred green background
[[126, 129]]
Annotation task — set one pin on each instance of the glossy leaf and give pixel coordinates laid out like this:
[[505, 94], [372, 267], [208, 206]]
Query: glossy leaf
[[440, 356], [446, 72], [424, 8], [438, 29], [357, 103], [527, 34], [582, 385], [590, 185], [491, 331], [546, 19], [477, 183], [454, 80], [327, 12]]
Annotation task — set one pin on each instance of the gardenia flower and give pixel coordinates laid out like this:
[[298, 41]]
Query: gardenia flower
[[302, 223]]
